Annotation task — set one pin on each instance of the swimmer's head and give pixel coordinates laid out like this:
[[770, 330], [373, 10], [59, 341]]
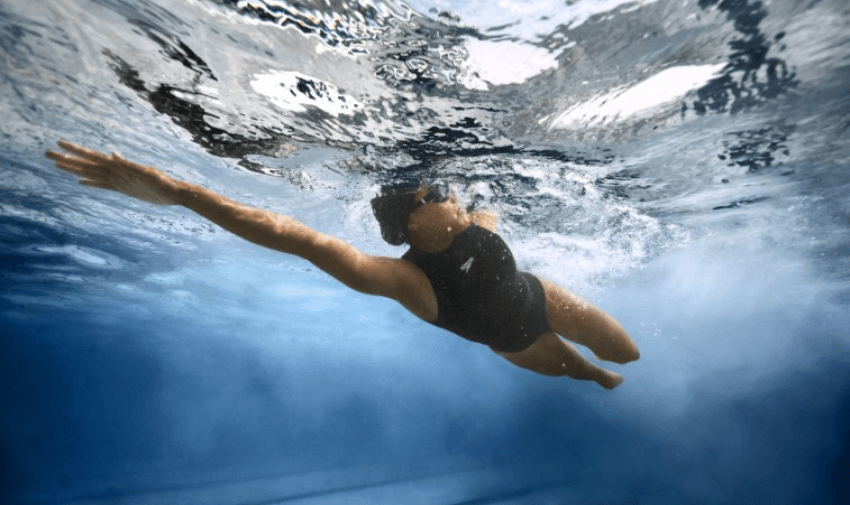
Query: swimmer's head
[[392, 208], [434, 224]]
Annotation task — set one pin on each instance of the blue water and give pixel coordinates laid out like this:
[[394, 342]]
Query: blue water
[[683, 164]]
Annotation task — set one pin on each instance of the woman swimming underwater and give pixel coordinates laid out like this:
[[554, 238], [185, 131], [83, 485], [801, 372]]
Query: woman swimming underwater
[[458, 274]]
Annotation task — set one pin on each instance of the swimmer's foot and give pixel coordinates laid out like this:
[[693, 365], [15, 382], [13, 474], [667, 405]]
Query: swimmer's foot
[[609, 380]]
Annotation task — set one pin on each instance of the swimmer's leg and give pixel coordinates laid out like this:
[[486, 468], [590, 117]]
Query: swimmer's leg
[[580, 322], [549, 355]]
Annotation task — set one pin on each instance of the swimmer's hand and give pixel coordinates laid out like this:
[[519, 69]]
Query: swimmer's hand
[[117, 174]]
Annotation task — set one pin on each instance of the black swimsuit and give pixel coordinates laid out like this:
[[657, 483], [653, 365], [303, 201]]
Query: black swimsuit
[[480, 294]]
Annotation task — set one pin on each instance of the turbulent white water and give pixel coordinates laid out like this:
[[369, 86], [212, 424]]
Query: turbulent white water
[[683, 163], [601, 132]]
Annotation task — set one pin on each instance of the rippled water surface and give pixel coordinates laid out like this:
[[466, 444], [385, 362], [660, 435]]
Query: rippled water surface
[[683, 163]]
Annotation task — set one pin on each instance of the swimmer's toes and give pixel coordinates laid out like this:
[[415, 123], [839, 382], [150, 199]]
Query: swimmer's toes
[[611, 380]]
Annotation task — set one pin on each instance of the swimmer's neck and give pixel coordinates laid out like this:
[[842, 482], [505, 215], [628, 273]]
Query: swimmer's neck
[[434, 226], [440, 243]]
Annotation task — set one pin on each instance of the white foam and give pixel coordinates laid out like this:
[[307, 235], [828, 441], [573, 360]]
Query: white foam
[[626, 102], [504, 62], [281, 88], [527, 19]]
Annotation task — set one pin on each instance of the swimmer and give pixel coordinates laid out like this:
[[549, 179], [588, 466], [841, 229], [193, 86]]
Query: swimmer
[[457, 275]]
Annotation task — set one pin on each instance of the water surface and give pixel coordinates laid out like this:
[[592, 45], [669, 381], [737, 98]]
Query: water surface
[[683, 164]]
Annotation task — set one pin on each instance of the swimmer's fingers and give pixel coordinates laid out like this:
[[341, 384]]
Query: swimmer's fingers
[[89, 176], [68, 166], [76, 165], [82, 152], [94, 158], [116, 173], [55, 156], [94, 162]]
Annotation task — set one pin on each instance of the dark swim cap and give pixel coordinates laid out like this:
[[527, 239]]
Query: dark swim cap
[[392, 208]]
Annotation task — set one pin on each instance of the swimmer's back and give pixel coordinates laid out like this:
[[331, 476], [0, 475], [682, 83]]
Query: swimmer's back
[[480, 294]]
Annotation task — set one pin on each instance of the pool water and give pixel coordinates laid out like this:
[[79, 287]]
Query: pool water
[[684, 164]]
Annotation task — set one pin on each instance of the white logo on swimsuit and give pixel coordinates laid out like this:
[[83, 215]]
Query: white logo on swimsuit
[[465, 267]]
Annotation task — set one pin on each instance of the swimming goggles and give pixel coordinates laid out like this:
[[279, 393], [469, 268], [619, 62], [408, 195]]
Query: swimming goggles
[[437, 193]]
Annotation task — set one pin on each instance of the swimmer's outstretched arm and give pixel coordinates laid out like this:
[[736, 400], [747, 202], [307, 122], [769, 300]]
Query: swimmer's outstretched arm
[[386, 277]]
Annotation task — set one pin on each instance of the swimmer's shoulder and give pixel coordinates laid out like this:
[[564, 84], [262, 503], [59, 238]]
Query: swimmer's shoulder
[[484, 219]]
